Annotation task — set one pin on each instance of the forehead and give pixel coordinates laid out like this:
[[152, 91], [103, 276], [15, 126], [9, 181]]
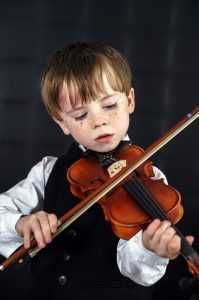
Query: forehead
[[69, 96]]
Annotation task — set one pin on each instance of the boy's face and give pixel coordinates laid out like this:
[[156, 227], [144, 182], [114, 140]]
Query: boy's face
[[101, 123]]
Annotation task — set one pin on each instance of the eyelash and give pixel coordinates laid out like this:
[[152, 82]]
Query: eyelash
[[111, 106], [80, 118]]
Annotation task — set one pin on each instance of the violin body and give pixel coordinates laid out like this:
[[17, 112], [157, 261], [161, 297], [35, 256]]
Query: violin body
[[120, 208]]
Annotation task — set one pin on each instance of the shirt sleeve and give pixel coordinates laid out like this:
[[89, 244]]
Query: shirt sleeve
[[24, 198], [135, 261]]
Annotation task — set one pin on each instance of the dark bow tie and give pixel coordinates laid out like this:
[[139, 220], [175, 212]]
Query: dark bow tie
[[106, 158]]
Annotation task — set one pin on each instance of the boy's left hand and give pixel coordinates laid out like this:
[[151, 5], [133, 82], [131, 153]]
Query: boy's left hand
[[162, 239]]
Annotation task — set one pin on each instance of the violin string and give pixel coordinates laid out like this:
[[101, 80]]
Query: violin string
[[152, 203], [145, 199], [158, 211], [153, 208]]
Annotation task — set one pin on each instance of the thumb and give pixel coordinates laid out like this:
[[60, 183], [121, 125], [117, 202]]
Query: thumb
[[190, 239]]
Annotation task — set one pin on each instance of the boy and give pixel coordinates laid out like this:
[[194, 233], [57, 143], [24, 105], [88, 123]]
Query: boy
[[86, 89]]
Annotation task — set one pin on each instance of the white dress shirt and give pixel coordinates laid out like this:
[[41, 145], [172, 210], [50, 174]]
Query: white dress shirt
[[133, 259]]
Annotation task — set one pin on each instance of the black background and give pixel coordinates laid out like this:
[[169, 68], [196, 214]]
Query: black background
[[159, 39]]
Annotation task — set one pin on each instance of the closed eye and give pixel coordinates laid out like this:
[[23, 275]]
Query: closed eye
[[79, 118], [111, 106]]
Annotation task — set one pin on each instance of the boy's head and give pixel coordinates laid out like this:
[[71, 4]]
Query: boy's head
[[86, 88]]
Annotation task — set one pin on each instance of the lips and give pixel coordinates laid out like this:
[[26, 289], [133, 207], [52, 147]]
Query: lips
[[104, 138]]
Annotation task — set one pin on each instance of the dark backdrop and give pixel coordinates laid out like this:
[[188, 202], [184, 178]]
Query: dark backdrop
[[160, 40]]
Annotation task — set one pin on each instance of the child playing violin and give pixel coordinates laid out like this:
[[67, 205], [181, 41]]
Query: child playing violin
[[87, 90]]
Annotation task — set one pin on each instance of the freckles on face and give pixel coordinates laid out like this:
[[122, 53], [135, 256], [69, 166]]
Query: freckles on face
[[99, 121], [81, 123], [106, 115]]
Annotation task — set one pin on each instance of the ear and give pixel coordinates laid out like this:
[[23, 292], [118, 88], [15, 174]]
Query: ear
[[63, 126], [131, 101]]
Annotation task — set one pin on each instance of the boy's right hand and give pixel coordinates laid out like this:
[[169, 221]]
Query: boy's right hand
[[39, 225]]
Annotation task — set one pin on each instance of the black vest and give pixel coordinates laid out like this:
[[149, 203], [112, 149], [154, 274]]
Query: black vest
[[81, 261]]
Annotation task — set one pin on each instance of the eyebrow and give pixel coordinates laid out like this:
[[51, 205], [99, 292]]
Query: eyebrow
[[108, 96], [100, 99], [75, 109]]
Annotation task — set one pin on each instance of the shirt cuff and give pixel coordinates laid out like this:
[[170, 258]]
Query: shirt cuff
[[138, 263], [10, 240], [146, 255], [8, 226]]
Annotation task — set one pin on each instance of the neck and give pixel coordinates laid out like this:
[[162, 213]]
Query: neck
[[107, 158]]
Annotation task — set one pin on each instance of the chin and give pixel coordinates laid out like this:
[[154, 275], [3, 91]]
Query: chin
[[107, 147]]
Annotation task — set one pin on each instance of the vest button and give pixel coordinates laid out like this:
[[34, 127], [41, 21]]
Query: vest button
[[67, 257], [73, 232], [62, 280]]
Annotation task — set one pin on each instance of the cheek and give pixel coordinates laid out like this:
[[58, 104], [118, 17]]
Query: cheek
[[78, 130], [74, 125], [120, 116], [116, 115]]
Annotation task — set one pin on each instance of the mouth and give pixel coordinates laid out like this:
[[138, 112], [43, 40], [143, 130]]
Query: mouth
[[104, 138]]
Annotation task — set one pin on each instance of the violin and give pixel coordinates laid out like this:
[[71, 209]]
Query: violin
[[132, 205], [130, 199]]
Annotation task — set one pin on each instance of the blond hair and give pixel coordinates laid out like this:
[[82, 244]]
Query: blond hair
[[82, 65]]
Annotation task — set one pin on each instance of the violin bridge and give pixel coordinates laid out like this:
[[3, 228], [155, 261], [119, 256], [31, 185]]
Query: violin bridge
[[116, 167]]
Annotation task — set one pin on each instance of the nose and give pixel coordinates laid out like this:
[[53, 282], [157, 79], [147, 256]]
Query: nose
[[98, 120]]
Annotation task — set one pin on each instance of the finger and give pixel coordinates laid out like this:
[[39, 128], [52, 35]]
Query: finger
[[151, 229], [38, 234], [161, 240], [174, 246], [45, 226], [27, 237], [53, 222], [158, 234], [190, 239], [166, 236]]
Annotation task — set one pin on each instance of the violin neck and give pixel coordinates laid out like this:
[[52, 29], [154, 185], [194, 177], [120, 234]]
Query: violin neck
[[145, 200], [190, 255]]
